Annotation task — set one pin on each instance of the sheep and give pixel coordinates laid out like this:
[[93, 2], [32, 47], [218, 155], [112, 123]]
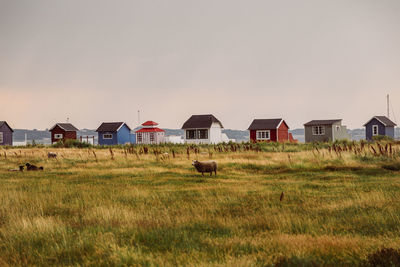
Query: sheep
[[31, 167], [20, 169], [52, 155], [205, 166]]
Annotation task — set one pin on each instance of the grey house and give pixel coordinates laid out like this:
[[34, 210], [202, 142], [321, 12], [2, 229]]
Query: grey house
[[6, 134], [379, 125], [325, 131]]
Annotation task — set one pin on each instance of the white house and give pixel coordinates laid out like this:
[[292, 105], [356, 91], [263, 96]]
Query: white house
[[203, 129], [150, 134]]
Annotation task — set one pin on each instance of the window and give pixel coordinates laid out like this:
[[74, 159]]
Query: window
[[58, 136], [107, 136], [375, 130], [1, 138], [151, 137], [139, 137], [202, 134], [318, 130], [263, 135], [190, 134]]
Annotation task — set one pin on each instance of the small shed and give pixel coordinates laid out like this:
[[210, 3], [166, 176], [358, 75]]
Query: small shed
[[325, 131], [150, 134], [379, 125], [6, 134], [114, 133], [203, 129], [270, 130], [63, 132]]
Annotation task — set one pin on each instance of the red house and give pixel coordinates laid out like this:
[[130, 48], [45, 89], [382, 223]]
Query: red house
[[150, 134], [62, 132], [270, 130]]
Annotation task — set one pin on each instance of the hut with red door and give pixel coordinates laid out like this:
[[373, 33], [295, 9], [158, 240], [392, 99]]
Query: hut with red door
[[63, 132], [150, 134], [270, 130]]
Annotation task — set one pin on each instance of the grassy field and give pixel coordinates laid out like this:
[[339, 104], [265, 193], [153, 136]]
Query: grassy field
[[120, 208]]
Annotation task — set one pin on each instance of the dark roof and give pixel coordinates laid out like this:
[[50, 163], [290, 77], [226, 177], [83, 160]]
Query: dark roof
[[265, 124], [322, 122], [111, 126], [201, 121], [4, 122], [384, 120], [68, 127]]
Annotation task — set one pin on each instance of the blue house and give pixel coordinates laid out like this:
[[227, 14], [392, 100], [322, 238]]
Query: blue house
[[114, 133], [379, 125]]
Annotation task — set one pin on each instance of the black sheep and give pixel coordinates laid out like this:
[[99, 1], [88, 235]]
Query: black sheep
[[31, 167]]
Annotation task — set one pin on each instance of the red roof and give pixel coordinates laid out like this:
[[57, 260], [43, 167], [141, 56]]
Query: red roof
[[150, 123], [148, 130]]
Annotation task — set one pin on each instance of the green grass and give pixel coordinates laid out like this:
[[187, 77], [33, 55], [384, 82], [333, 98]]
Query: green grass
[[337, 210]]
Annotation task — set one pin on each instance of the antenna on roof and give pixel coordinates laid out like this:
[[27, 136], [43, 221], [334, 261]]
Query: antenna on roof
[[67, 119], [138, 116], [388, 113]]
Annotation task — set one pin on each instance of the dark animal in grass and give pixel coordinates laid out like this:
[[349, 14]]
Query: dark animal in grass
[[205, 166], [31, 167], [52, 155]]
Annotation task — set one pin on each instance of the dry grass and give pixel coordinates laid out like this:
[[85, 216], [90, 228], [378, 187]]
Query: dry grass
[[97, 207]]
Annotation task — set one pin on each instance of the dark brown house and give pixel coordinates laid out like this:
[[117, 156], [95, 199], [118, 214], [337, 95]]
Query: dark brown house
[[63, 132], [6, 134]]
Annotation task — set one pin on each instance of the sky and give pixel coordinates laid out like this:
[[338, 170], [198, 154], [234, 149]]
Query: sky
[[101, 60]]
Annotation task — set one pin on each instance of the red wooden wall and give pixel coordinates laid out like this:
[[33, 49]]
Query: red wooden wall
[[66, 135], [283, 134]]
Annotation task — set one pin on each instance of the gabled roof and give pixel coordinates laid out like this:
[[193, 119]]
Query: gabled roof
[[4, 122], [322, 122], [384, 120], [68, 127], [150, 123], [149, 130], [201, 121], [111, 126], [266, 124]]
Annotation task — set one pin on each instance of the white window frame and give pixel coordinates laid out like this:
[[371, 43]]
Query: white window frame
[[107, 138], [1, 137], [373, 130], [263, 135], [318, 130], [58, 136]]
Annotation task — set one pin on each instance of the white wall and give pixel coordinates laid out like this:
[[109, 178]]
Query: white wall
[[214, 136], [215, 133]]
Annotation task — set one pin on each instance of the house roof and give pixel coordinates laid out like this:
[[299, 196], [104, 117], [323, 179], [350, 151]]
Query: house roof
[[149, 130], [384, 120], [111, 126], [68, 127], [4, 122], [201, 121], [265, 124], [150, 123], [322, 122]]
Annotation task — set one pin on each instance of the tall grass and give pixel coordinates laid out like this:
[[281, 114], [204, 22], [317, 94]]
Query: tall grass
[[138, 206]]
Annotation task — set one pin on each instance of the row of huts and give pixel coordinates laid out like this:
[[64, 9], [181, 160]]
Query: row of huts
[[207, 129]]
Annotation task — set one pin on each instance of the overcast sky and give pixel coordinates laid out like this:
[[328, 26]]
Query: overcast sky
[[103, 60]]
